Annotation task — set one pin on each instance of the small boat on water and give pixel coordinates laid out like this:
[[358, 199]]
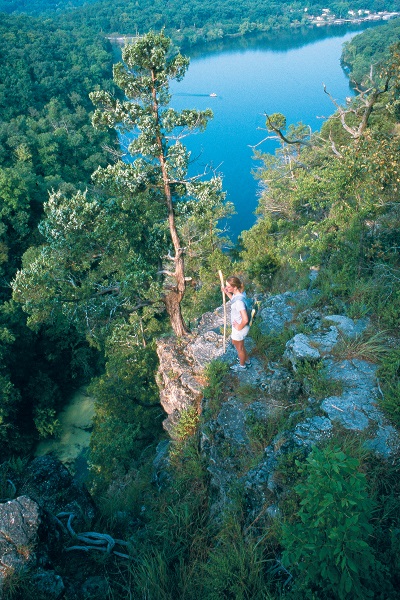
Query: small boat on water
[[213, 95]]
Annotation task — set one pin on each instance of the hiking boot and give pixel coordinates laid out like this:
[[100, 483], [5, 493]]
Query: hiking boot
[[238, 368], [247, 363]]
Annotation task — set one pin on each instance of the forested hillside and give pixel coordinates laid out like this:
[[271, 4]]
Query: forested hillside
[[196, 21], [40, 7], [47, 142], [370, 50]]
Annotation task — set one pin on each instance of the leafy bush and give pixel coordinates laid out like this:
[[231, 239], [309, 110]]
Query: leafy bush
[[215, 373], [389, 375], [328, 547]]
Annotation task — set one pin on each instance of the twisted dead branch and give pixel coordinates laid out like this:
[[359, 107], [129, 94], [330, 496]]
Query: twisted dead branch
[[92, 540]]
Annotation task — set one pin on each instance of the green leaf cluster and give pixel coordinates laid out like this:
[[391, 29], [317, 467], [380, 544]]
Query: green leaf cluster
[[328, 547], [128, 415]]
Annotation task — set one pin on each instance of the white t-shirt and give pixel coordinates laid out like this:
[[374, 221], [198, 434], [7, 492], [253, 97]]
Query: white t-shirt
[[236, 307]]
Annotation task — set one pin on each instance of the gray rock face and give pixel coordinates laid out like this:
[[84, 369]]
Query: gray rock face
[[161, 461], [299, 349], [282, 385], [310, 347], [50, 484], [226, 445], [312, 430], [227, 437], [180, 373], [347, 326], [223, 441], [19, 525], [326, 340], [22, 525], [358, 403], [356, 408], [178, 384], [262, 485], [386, 441], [311, 318], [207, 346], [278, 311], [231, 422], [31, 538]]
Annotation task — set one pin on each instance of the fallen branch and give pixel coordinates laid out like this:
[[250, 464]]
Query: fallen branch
[[92, 540]]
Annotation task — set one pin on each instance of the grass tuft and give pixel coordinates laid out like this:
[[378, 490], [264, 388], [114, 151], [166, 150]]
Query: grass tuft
[[368, 347]]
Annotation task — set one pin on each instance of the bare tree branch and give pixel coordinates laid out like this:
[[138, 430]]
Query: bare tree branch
[[282, 136], [368, 99]]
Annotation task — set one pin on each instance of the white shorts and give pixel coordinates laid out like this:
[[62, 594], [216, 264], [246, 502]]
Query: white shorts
[[237, 335]]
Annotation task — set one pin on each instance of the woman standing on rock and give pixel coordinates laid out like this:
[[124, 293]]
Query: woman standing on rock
[[234, 289]]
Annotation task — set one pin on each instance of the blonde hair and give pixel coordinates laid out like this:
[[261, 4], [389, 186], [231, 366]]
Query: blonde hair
[[235, 282]]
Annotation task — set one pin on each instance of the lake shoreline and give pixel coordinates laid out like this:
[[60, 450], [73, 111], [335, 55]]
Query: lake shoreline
[[314, 22], [284, 74]]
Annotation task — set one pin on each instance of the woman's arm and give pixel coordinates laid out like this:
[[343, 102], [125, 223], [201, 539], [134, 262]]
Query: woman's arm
[[245, 320]]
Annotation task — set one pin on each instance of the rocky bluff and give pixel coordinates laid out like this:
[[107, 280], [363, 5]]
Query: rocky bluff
[[348, 393], [319, 382]]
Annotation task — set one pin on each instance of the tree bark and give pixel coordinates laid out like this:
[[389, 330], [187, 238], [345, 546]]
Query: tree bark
[[173, 298], [173, 305]]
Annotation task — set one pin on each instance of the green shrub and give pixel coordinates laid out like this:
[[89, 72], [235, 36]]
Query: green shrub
[[384, 484], [128, 414], [270, 344], [327, 548], [389, 377], [315, 382], [262, 269], [187, 424], [236, 569], [215, 373], [367, 346]]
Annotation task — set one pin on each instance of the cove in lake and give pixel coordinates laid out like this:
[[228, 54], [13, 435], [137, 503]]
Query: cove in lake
[[252, 76]]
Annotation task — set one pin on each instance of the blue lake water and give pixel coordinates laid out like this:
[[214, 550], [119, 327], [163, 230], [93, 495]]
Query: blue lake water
[[252, 77]]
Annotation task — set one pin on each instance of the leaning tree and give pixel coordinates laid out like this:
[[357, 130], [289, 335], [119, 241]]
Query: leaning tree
[[158, 160]]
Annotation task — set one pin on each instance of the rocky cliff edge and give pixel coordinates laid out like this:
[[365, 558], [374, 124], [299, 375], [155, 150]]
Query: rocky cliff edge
[[347, 399]]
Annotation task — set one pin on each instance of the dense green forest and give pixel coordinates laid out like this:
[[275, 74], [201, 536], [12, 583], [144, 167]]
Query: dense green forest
[[369, 49], [38, 7], [85, 274], [193, 23], [47, 142]]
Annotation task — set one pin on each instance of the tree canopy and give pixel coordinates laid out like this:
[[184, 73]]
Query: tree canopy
[[104, 251]]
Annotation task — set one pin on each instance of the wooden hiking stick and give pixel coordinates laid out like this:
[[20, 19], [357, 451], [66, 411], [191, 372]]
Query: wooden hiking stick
[[224, 301]]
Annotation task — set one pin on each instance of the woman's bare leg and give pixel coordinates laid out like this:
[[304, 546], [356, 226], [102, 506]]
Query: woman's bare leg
[[241, 350]]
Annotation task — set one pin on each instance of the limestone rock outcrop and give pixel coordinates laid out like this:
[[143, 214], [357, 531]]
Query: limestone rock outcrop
[[27, 540], [20, 521], [227, 438]]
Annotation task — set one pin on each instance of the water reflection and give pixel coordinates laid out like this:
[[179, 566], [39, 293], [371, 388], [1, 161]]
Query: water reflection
[[72, 446]]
